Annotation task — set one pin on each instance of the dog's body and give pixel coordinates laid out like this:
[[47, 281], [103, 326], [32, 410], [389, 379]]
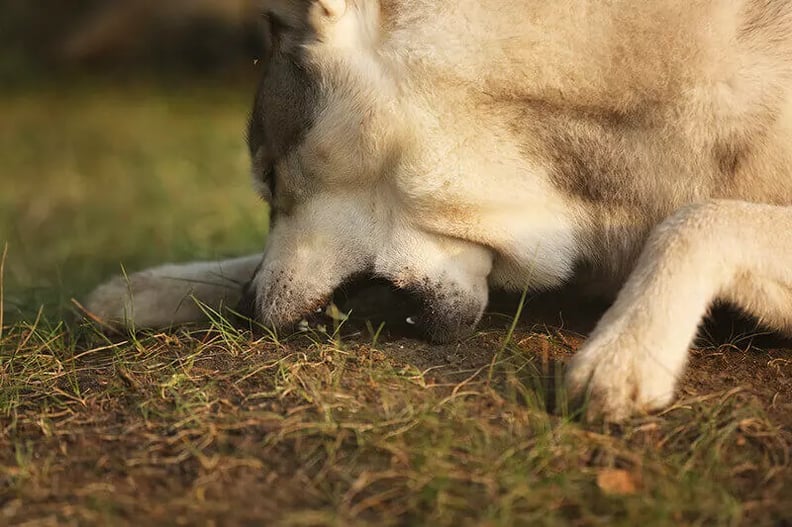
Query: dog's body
[[455, 146]]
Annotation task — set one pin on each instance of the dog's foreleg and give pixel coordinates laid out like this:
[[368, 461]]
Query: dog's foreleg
[[734, 251], [171, 294]]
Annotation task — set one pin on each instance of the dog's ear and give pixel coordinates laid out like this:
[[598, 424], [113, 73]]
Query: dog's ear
[[333, 9], [299, 16]]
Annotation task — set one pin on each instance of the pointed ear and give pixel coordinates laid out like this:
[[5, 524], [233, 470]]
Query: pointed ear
[[334, 9], [305, 14]]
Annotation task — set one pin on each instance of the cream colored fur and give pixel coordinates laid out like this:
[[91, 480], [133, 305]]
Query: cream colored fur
[[469, 144], [166, 295]]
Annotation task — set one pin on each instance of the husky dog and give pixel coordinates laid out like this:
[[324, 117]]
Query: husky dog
[[452, 147]]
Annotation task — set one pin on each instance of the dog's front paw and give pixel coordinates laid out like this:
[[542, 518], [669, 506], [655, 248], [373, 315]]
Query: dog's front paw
[[153, 299], [124, 301], [170, 294], [619, 375]]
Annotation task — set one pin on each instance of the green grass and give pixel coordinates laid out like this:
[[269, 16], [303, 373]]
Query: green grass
[[218, 426], [93, 177]]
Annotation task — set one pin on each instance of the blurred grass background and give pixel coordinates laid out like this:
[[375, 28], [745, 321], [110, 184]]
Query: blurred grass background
[[127, 151]]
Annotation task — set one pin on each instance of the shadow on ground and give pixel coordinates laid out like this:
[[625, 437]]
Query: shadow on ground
[[732, 351]]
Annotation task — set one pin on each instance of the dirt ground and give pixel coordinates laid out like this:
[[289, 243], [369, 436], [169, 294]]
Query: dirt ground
[[223, 427]]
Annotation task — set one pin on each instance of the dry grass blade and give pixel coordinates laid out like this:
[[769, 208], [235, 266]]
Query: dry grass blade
[[2, 290]]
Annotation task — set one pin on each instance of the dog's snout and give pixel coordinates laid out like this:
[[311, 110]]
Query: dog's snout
[[439, 311]]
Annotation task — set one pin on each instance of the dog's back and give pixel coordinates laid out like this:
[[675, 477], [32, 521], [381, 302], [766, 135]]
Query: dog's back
[[635, 108]]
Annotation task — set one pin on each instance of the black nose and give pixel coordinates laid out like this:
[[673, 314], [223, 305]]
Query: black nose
[[404, 312]]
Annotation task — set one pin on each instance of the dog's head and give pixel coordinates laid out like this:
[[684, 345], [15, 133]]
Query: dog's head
[[333, 150]]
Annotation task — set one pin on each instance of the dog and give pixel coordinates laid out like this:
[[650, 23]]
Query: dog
[[454, 147]]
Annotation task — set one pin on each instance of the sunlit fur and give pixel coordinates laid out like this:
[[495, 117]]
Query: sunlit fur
[[469, 144]]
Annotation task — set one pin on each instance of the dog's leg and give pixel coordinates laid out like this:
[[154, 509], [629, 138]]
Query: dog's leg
[[170, 294], [729, 250]]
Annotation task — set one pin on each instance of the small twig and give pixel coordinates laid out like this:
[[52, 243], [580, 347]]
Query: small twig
[[509, 336], [91, 316]]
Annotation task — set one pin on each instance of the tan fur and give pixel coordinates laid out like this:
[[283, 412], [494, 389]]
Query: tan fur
[[461, 145]]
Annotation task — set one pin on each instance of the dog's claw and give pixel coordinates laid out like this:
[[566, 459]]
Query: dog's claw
[[615, 381]]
